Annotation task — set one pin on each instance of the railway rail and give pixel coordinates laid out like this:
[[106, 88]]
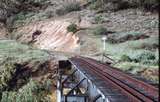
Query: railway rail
[[135, 90]]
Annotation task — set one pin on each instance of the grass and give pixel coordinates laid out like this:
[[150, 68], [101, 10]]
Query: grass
[[125, 58], [100, 31], [68, 7], [96, 4], [137, 68], [99, 19], [20, 52], [6, 73], [125, 36], [118, 50], [153, 24], [131, 56], [33, 91], [133, 67], [150, 43], [23, 18], [134, 33], [150, 5], [12, 57], [128, 48]]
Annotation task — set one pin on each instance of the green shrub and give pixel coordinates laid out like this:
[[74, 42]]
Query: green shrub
[[69, 7], [20, 16], [151, 24], [15, 6], [151, 43], [32, 92], [150, 62], [37, 1], [96, 4], [72, 28], [99, 19], [6, 73], [123, 37], [145, 56], [74, 6], [100, 31], [125, 58], [150, 4], [124, 4]]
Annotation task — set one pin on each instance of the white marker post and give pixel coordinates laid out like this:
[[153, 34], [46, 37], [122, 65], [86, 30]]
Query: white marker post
[[58, 91], [59, 87], [104, 38]]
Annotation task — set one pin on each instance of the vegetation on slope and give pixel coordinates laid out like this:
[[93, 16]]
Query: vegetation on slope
[[19, 52], [68, 7], [115, 5], [72, 28], [21, 66], [136, 56], [15, 13], [33, 91]]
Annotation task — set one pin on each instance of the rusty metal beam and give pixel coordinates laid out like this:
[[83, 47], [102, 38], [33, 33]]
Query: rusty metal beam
[[97, 97], [69, 77], [75, 86]]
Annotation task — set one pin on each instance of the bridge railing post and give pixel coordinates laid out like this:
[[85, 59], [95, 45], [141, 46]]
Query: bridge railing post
[[59, 87]]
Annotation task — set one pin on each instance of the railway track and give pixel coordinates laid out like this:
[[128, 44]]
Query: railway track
[[134, 89]]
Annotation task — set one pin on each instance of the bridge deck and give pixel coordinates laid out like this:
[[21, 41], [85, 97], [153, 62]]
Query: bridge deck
[[111, 94], [115, 85]]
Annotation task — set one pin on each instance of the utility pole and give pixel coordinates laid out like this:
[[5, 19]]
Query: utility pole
[[104, 38]]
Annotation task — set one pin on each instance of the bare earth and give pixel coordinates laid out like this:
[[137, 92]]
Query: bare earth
[[53, 36]]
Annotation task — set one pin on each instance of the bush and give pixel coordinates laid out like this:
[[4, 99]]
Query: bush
[[74, 6], [151, 43], [115, 5], [99, 19], [3, 15], [7, 71], [96, 4], [32, 92], [123, 37], [14, 6], [125, 58], [150, 62], [69, 7], [150, 4], [145, 56], [100, 31], [72, 28]]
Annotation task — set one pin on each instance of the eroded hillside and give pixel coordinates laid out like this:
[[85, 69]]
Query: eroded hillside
[[49, 35]]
